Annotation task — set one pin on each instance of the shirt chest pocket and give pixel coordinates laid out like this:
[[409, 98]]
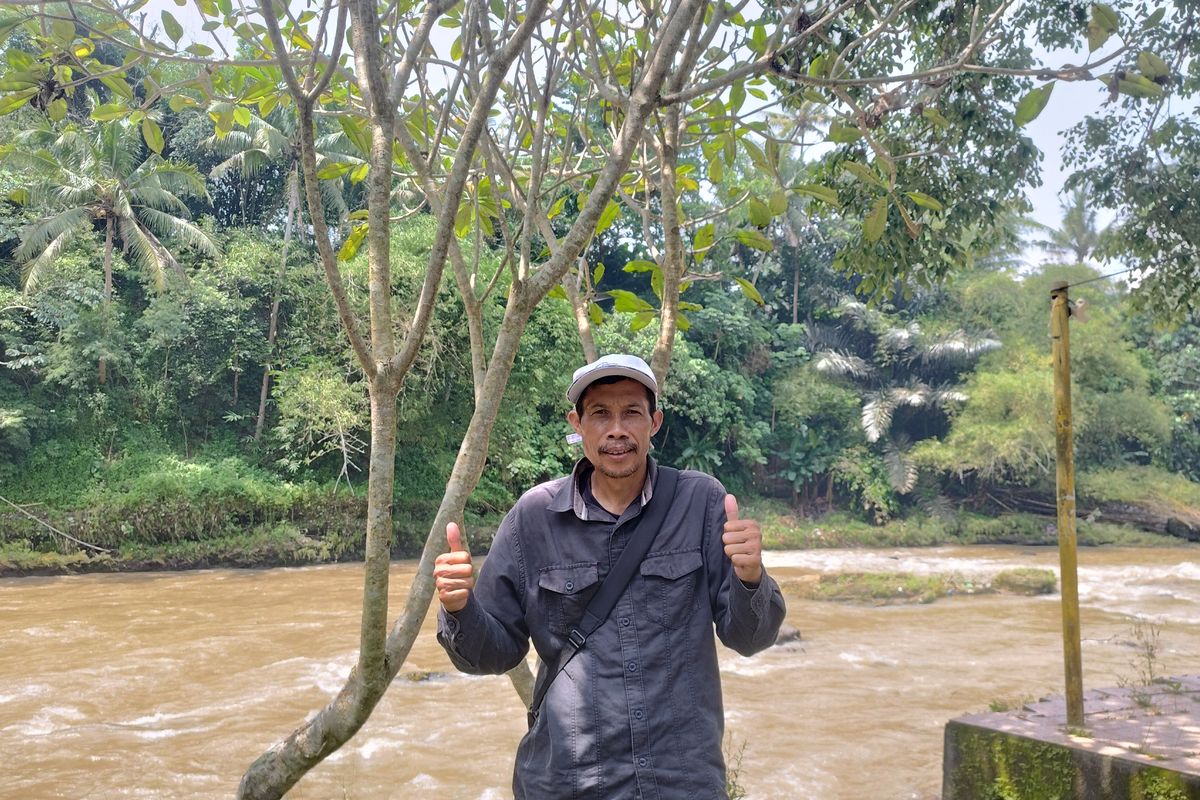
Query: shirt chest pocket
[[565, 592], [669, 582]]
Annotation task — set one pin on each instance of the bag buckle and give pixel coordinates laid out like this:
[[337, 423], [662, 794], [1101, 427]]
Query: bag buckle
[[576, 638]]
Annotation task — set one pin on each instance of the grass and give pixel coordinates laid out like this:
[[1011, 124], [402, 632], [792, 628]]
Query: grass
[[886, 588], [783, 530]]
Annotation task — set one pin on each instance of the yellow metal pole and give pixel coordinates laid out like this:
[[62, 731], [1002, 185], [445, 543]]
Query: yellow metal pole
[[1068, 563]]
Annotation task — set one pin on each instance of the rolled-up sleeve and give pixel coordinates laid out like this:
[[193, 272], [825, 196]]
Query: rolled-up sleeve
[[747, 618], [489, 636]]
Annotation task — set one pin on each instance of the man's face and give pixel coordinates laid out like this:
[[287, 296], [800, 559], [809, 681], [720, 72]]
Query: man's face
[[616, 427]]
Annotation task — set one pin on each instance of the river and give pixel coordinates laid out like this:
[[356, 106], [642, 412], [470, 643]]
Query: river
[[166, 685]]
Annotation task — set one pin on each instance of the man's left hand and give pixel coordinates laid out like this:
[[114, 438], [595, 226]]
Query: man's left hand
[[743, 543]]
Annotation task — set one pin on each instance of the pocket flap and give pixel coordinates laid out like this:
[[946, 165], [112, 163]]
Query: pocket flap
[[570, 579], [672, 565]]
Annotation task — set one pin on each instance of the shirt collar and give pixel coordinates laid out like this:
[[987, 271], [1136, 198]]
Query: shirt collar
[[569, 496]]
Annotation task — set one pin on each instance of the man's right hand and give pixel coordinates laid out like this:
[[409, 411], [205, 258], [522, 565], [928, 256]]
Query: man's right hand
[[452, 572]]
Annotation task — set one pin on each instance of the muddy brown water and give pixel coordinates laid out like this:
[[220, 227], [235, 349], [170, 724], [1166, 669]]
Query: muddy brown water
[[167, 685]]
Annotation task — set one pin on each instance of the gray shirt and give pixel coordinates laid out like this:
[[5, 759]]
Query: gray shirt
[[638, 712]]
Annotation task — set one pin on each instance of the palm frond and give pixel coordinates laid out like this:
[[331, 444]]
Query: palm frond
[[899, 339], [834, 362], [150, 195], [67, 230], [170, 226], [957, 348], [147, 251], [859, 315], [877, 413], [916, 395], [38, 235], [902, 471]]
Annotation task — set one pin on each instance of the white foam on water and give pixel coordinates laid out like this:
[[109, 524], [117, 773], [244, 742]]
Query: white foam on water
[[494, 794], [51, 719], [423, 781]]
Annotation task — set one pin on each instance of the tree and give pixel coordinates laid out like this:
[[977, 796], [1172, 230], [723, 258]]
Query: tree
[[1077, 237], [102, 175], [897, 367]]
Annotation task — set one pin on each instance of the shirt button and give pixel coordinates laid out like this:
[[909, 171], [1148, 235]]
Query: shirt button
[[642, 762], [637, 713], [624, 620], [631, 666], [570, 586]]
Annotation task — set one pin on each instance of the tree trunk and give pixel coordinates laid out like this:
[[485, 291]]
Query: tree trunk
[[673, 261], [276, 294], [583, 323], [108, 287]]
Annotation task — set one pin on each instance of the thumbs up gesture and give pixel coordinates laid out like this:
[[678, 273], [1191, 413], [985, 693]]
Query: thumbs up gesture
[[452, 572], [743, 543]]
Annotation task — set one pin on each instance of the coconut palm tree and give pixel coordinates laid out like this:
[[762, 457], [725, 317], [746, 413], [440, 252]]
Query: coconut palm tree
[[895, 366], [102, 175], [1077, 236]]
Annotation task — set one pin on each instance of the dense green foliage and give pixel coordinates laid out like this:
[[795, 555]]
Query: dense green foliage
[[128, 417]]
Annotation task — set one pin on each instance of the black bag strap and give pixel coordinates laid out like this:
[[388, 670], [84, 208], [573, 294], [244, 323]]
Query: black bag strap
[[613, 586]]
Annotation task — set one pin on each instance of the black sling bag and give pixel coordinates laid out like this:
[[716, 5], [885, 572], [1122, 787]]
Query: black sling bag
[[613, 586]]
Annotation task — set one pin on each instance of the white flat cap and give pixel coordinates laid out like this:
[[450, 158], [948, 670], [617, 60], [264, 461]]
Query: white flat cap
[[619, 364]]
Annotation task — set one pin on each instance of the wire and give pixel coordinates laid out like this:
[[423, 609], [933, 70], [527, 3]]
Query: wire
[[1102, 277]]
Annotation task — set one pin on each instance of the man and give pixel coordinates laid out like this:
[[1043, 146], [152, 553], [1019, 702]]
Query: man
[[637, 713]]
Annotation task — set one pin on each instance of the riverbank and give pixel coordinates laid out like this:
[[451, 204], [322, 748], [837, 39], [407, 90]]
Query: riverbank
[[313, 539]]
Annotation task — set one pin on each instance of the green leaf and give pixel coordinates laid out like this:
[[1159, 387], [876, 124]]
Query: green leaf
[[1032, 104], [62, 32], [242, 116], [1154, 18], [355, 130], [641, 320], [778, 202], [876, 221], [757, 156], [925, 201], [178, 102], [558, 292], [15, 100], [750, 292], [57, 111], [737, 96], [1139, 86], [1106, 17], [914, 228], [683, 323], [83, 48], [760, 215], [557, 208], [595, 314], [1152, 66], [118, 86], [7, 26], [153, 135], [628, 302], [755, 239], [1104, 23], [109, 112], [354, 241], [608, 216], [198, 49], [597, 274], [844, 134], [936, 117], [172, 26], [705, 236], [864, 173], [823, 193], [640, 265]]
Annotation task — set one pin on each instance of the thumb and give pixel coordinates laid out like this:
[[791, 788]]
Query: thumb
[[731, 508], [454, 537]]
